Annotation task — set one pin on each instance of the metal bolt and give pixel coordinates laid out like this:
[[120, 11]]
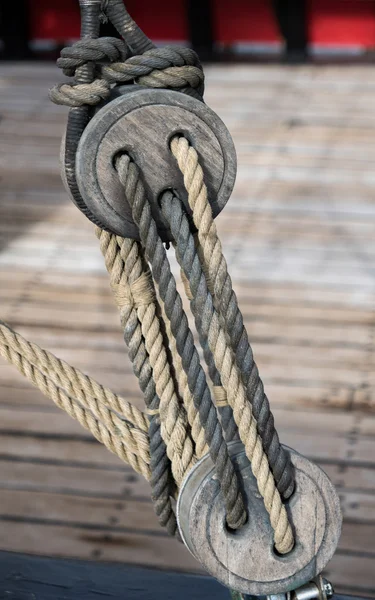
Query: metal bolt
[[317, 589], [328, 588]]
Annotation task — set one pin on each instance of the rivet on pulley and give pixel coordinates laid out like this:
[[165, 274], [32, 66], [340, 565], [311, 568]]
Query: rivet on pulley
[[141, 122], [245, 560]]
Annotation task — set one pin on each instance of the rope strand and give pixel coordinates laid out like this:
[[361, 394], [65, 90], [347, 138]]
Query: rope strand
[[220, 285], [209, 327], [156, 254], [128, 442]]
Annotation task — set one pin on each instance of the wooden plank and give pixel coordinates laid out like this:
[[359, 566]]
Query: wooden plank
[[71, 507], [48, 579], [21, 575], [118, 482], [128, 546], [57, 448]]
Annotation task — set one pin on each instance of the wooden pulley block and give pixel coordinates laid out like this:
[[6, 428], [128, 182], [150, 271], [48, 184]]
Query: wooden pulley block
[[245, 560], [142, 122]]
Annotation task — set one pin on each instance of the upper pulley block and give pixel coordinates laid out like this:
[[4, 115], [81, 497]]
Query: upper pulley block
[[141, 122]]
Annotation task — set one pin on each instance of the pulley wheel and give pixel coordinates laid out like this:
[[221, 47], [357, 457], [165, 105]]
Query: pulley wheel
[[141, 122], [245, 560]]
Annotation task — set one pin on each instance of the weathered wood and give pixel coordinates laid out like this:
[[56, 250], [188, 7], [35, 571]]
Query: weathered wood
[[141, 123], [245, 560]]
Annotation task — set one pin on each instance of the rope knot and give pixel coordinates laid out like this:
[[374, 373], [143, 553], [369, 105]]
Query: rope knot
[[108, 49], [78, 94], [220, 396], [139, 293], [167, 67]]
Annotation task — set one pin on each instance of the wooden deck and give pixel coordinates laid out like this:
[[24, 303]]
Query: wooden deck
[[299, 235]]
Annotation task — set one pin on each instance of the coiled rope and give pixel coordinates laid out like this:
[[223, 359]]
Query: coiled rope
[[181, 422]]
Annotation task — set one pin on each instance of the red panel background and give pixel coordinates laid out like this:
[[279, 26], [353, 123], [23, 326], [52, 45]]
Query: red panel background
[[59, 19], [163, 20], [336, 22], [245, 21], [54, 19], [342, 22]]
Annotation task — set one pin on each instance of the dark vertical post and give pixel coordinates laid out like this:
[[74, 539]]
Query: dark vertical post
[[14, 29], [200, 21], [291, 16]]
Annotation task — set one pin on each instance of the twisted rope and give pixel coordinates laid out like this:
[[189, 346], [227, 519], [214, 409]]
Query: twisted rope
[[156, 255], [107, 49], [209, 327], [225, 411], [197, 432], [183, 422], [133, 292], [220, 285], [122, 437], [168, 67]]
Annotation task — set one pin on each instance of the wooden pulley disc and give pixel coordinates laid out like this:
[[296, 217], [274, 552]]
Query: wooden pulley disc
[[245, 560], [141, 122]]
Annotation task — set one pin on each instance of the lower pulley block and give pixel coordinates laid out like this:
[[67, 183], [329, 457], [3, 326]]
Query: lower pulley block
[[245, 560]]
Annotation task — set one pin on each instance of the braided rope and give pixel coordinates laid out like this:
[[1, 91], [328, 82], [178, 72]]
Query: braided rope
[[220, 285], [209, 327], [88, 50], [197, 432], [126, 441], [84, 388], [132, 289], [225, 411], [168, 67], [172, 415], [156, 254]]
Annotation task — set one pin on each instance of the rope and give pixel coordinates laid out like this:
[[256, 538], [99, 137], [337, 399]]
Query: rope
[[168, 67], [220, 286], [123, 437], [209, 327], [225, 411], [135, 297], [87, 50], [156, 255], [197, 432]]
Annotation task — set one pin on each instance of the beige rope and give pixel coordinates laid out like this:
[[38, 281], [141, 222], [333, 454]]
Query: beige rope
[[121, 437], [134, 292], [188, 162], [197, 431], [84, 388]]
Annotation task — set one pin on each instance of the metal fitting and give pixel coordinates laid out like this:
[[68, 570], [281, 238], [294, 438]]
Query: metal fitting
[[318, 588]]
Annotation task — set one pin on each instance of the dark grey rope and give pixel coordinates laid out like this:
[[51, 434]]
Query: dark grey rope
[[231, 317], [202, 303], [79, 116], [226, 414], [156, 255], [91, 50], [162, 483]]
